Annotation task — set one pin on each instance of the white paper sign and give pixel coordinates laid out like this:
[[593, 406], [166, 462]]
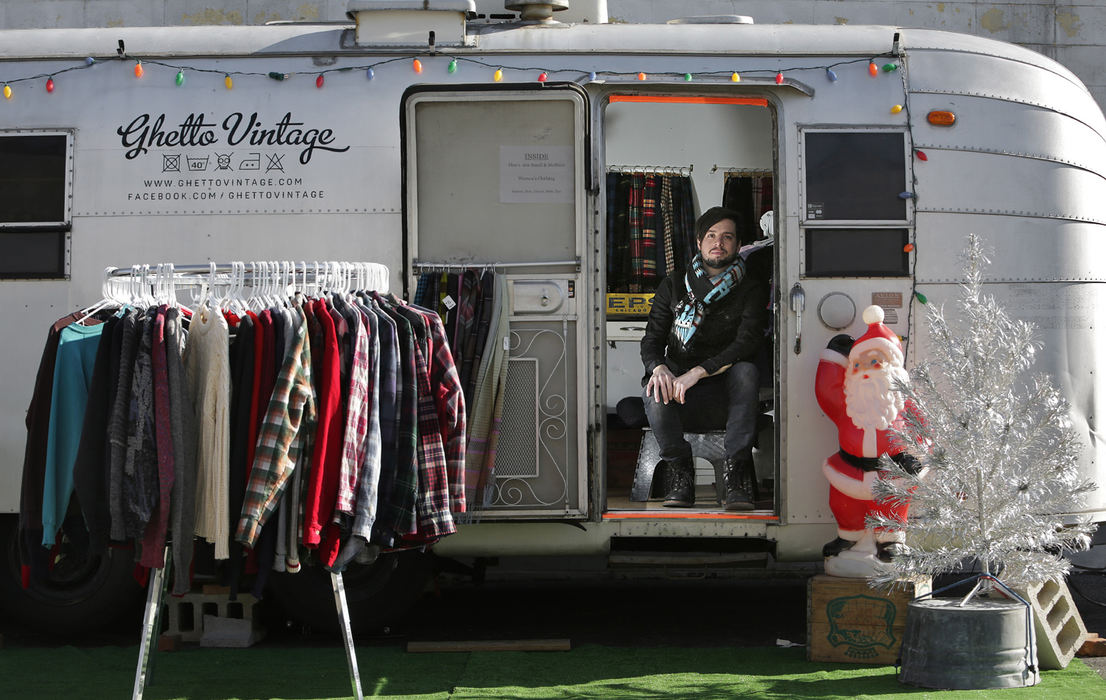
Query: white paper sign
[[529, 174]]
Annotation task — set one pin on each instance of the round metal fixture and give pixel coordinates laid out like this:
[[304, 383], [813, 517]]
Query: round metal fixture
[[837, 310]]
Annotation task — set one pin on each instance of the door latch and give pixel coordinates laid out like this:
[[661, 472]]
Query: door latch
[[798, 303]]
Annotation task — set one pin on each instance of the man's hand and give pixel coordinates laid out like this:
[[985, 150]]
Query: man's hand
[[664, 386]]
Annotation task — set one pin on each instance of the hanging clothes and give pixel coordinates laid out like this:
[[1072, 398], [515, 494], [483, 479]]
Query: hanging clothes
[[650, 229]]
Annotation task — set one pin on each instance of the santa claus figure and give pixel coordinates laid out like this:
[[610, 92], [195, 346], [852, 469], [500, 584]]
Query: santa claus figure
[[855, 386]]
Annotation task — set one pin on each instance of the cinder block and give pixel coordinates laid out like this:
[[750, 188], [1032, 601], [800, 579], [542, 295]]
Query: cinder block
[[230, 633], [1060, 629], [187, 615]]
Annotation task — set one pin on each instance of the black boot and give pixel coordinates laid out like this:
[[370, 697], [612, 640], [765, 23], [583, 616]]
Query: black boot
[[740, 480], [838, 545], [679, 483]]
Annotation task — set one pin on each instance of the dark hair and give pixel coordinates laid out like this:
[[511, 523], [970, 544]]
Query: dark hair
[[712, 216]]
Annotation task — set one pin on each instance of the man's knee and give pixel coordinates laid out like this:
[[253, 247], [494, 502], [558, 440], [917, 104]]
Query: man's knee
[[743, 375]]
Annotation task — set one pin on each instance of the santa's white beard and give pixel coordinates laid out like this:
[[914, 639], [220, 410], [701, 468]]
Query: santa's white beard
[[870, 399]]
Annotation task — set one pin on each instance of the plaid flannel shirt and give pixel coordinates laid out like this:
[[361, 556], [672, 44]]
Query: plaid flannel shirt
[[432, 501], [357, 419], [289, 418], [449, 400], [369, 478], [397, 513]]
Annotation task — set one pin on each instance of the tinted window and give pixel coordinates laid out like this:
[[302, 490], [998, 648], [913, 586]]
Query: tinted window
[[855, 176], [32, 178], [842, 252], [33, 217]]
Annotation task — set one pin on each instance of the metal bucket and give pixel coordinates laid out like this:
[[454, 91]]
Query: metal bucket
[[984, 644]]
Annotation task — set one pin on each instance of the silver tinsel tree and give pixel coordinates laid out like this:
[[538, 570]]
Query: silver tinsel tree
[[1000, 456]]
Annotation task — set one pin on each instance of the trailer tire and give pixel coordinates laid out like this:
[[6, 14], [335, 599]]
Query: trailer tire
[[79, 595], [377, 594]]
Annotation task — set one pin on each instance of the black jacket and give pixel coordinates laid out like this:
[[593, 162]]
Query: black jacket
[[732, 328]]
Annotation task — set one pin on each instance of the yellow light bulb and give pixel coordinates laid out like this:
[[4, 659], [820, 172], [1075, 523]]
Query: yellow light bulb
[[498, 75], [228, 82]]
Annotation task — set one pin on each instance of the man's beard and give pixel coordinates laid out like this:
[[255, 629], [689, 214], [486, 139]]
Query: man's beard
[[720, 263], [873, 402]]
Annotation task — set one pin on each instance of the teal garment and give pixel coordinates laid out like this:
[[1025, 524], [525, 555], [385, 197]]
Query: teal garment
[[72, 375]]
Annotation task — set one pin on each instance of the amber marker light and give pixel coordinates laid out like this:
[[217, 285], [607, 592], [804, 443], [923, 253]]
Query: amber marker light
[[941, 117]]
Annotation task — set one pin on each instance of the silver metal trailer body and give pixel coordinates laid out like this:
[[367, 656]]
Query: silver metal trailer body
[[302, 143]]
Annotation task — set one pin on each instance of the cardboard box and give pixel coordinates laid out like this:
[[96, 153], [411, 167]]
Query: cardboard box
[[850, 622]]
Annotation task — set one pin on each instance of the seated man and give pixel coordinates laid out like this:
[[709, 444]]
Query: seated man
[[704, 330]]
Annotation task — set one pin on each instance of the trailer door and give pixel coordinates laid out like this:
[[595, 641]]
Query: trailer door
[[853, 250], [495, 179]]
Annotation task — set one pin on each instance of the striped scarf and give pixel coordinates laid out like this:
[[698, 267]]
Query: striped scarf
[[703, 290]]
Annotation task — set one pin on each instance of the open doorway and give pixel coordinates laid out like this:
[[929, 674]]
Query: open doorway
[[667, 159]]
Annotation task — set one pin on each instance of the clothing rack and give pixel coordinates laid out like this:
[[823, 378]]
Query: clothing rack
[[462, 265], [734, 170], [677, 170], [261, 279]]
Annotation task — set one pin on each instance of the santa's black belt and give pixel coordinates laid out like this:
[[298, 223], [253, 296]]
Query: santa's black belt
[[868, 464]]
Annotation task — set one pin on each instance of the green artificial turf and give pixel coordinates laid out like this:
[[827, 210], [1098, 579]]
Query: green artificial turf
[[586, 672]]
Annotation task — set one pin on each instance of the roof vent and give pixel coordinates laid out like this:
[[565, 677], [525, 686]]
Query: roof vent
[[536, 10], [410, 22], [713, 19]]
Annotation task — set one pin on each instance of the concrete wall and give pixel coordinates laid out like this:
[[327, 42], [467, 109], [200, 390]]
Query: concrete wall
[[1074, 33]]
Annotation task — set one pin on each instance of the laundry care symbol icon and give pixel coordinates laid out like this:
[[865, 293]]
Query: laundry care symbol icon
[[222, 161], [251, 163], [275, 162], [170, 163]]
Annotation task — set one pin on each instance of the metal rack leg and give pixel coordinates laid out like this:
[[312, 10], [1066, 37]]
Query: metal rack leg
[[151, 626], [347, 633]]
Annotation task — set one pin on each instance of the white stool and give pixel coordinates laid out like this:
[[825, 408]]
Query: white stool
[[707, 446]]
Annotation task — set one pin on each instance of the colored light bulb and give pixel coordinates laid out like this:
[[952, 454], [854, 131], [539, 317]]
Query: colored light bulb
[[779, 78], [7, 92], [888, 67], [734, 77], [180, 77], [543, 77], [642, 76], [416, 65], [89, 61], [873, 70], [369, 74], [921, 155], [908, 248], [498, 75], [228, 81], [320, 81], [278, 76], [138, 70], [895, 109], [921, 297], [49, 85], [688, 77], [592, 76], [906, 195], [452, 67], [831, 75]]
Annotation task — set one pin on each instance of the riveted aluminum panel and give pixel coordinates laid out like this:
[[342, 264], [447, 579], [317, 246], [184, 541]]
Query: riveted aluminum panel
[[949, 73], [995, 126], [1009, 186], [1021, 249], [916, 40], [1065, 316]]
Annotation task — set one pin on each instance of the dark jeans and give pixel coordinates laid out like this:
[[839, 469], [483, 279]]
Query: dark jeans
[[725, 401]]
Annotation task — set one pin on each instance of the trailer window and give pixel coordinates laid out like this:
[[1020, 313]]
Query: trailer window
[[854, 176], [846, 252], [34, 204]]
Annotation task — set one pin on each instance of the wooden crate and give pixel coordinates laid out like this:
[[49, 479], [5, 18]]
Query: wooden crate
[[850, 622]]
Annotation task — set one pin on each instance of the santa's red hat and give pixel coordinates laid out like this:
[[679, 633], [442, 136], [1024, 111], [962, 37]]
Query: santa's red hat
[[878, 336]]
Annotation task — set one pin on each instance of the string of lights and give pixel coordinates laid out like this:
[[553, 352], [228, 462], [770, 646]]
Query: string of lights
[[500, 71]]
